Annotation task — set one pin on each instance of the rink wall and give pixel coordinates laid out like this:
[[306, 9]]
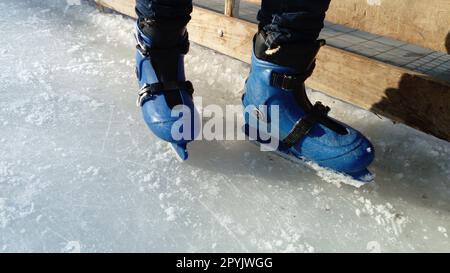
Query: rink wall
[[412, 98], [422, 22]]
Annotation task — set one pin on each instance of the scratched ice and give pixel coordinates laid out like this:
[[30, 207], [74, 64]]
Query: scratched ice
[[79, 171]]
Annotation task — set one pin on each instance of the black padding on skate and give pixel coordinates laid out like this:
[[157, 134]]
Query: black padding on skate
[[317, 114], [168, 44], [169, 86], [148, 52], [164, 87], [299, 56]]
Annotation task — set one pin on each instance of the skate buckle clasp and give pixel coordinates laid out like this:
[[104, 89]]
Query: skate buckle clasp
[[286, 82], [140, 46], [143, 92]]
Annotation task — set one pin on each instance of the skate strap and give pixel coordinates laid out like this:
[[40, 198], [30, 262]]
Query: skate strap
[[161, 87], [147, 51], [290, 82], [317, 114]]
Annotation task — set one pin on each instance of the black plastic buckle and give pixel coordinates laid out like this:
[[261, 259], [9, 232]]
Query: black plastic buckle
[[283, 81], [151, 89], [142, 50], [286, 82], [320, 109], [143, 93]]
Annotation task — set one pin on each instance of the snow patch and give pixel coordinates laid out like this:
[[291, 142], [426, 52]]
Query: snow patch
[[72, 247], [443, 230], [373, 247], [385, 215], [170, 212]]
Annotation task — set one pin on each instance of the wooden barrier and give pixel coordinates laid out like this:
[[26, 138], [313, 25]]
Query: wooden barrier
[[422, 22], [402, 95], [232, 8]]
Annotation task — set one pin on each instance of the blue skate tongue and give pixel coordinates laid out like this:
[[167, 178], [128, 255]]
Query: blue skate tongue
[[168, 43], [166, 68], [300, 57]]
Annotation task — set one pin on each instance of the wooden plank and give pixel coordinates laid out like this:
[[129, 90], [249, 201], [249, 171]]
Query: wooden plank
[[232, 8], [402, 95], [227, 35], [420, 22], [122, 6]]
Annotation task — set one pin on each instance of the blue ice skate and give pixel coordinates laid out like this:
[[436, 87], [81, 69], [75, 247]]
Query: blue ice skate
[[305, 131], [160, 72]]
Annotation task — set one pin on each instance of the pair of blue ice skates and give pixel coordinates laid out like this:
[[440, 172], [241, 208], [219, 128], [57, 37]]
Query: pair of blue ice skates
[[277, 77]]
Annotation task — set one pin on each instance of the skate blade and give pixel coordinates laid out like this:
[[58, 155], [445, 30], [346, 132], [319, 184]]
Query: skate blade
[[365, 176], [180, 151], [328, 175]]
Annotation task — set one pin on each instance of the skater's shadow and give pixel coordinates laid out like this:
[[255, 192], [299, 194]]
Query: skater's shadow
[[419, 103]]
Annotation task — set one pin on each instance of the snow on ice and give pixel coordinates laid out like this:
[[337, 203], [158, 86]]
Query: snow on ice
[[80, 172]]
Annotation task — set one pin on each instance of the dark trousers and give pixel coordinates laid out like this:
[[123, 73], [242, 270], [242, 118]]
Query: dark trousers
[[285, 21]]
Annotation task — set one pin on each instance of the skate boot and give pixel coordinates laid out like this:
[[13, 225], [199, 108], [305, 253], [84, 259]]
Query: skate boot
[[160, 72], [305, 131]]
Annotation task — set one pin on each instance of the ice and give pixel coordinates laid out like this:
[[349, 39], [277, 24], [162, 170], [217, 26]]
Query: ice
[[80, 172]]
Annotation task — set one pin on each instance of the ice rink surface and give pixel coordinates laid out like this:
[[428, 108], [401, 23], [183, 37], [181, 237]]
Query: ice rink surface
[[79, 170]]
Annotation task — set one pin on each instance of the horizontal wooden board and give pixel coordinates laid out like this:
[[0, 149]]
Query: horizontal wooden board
[[422, 22], [402, 95]]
